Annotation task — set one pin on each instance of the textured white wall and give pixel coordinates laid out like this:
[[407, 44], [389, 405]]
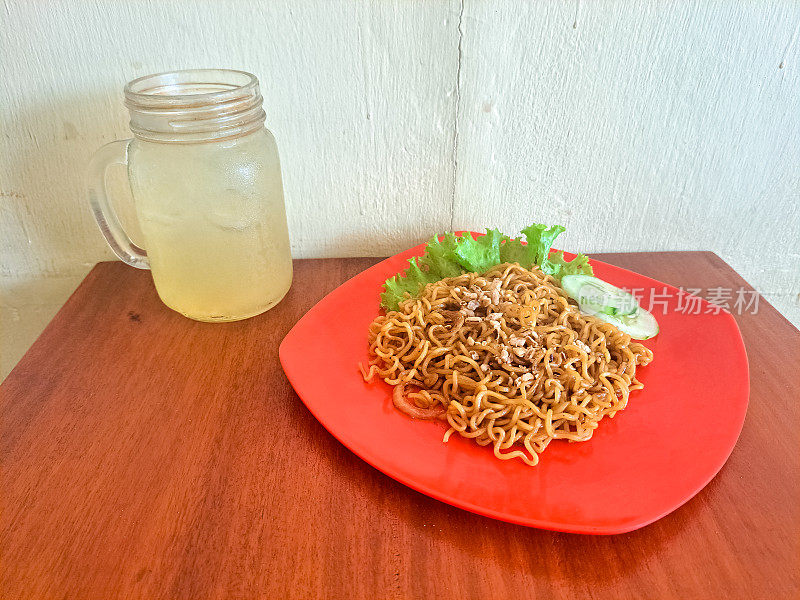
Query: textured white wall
[[360, 96], [668, 126], [640, 126]]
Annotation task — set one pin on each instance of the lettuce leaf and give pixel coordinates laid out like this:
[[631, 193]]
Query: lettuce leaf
[[454, 254], [477, 256], [514, 250], [403, 285], [577, 266], [440, 258], [540, 239]]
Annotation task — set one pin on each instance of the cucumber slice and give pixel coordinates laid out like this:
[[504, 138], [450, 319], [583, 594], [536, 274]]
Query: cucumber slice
[[640, 326], [599, 296]]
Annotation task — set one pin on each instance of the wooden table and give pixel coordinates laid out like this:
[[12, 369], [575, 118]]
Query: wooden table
[[148, 456]]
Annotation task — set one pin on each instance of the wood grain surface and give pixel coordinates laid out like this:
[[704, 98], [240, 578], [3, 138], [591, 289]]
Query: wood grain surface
[[148, 456]]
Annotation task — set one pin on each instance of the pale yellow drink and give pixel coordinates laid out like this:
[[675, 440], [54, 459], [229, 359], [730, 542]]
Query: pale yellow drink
[[214, 224]]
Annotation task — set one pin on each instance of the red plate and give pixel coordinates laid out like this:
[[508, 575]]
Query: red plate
[[669, 442]]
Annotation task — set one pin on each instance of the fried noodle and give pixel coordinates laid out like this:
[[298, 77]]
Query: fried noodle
[[505, 359]]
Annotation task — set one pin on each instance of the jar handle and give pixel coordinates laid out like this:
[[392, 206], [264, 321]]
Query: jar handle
[[104, 214]]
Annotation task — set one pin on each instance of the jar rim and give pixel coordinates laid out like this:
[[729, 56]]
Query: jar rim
[[173, 88], [194, 105]]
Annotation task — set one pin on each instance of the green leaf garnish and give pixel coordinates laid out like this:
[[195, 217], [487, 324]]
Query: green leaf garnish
[[456, 254], [477, 256]]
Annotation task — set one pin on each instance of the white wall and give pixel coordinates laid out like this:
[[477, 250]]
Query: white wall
[[640, 126], [664, 126], [359, 95]]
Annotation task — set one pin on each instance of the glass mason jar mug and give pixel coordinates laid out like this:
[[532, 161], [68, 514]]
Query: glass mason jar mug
[[206, 183]]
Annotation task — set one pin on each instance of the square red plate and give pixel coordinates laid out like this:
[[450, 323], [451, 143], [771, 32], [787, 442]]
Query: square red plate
[[669, 442]]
